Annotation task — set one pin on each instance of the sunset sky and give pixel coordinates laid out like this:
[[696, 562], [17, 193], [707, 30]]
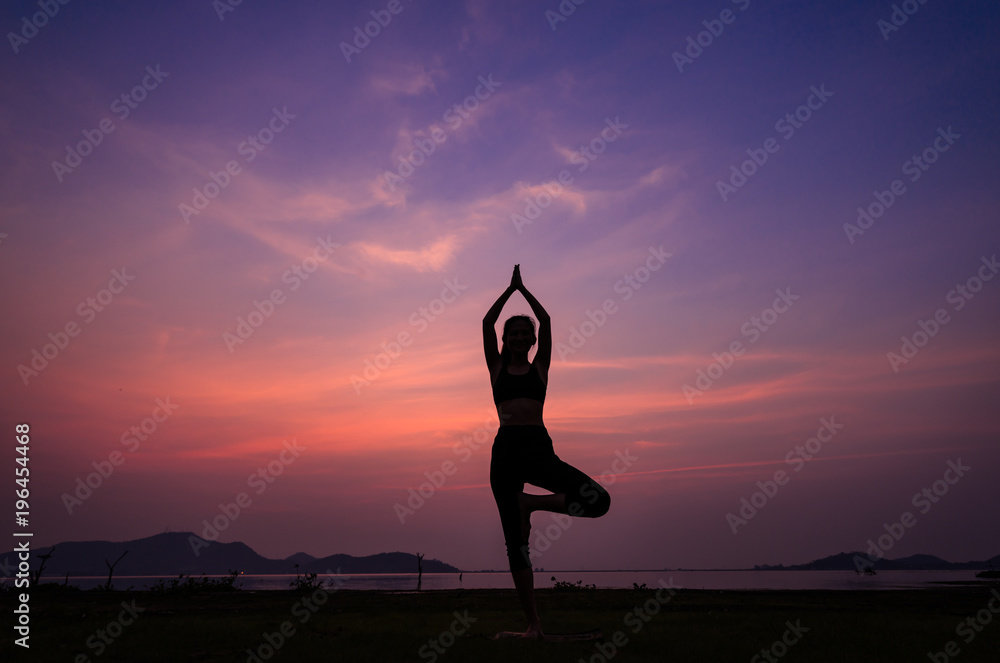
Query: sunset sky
[[217, 223]]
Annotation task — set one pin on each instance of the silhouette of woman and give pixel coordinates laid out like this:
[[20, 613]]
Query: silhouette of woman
[[522, 450]]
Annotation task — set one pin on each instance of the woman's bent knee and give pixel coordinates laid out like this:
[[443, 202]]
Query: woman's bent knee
[[593, 502], [602, 505]]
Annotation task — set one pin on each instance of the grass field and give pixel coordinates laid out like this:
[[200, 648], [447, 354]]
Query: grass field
[[638, 625]]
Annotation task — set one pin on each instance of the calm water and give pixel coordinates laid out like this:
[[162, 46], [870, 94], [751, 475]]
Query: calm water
[[602, 579]]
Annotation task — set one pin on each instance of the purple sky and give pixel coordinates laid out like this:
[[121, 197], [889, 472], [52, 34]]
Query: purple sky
[[187, 170]]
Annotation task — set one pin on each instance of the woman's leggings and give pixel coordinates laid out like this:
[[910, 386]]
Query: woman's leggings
[[523, 454]]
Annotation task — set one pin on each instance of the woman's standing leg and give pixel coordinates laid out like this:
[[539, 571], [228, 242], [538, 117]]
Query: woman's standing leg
[[505, 470]]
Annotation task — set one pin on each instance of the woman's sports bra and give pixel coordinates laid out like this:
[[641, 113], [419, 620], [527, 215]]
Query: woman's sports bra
[[510, 386]]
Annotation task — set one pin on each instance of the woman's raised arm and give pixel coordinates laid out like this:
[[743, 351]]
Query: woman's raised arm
[[489, 327], [544, 355]]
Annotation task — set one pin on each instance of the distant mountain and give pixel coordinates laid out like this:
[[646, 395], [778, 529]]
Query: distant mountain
[[394, 562], [300, 558], [174, 553], [851, 561]]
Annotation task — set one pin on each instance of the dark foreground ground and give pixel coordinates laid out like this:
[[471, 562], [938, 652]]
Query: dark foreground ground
[[813, 626]]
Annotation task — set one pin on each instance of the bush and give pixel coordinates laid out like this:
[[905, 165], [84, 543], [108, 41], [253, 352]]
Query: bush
[[184, 583], [563, 585]]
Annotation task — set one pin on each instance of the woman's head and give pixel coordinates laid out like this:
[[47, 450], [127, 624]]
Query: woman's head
[[518, 335]]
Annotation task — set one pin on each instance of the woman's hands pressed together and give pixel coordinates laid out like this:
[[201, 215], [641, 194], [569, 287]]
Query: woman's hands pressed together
[[515, 279]]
